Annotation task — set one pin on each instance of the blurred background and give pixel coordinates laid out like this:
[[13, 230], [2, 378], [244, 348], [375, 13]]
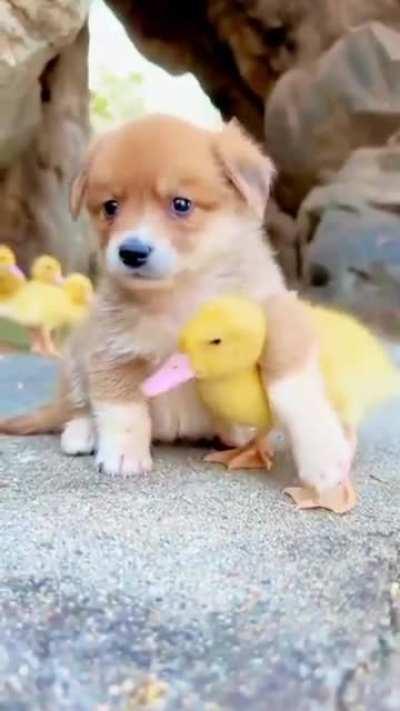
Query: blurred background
[[316, 82], [124, 84]]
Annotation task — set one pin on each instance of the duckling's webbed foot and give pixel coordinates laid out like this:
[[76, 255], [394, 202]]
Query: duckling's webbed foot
[[256, 455], [340, 500]]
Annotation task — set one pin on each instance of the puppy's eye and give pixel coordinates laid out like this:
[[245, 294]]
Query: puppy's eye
[[110, 208], [181, 206], [215, 342]]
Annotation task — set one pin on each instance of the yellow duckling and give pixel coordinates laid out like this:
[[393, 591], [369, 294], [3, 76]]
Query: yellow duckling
[[39, 307], [11, 279], [47, 270], [79, 289], [7, 256], [221, 346]]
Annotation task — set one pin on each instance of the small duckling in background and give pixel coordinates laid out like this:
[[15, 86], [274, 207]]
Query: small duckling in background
[[11, 279], [7, 256], [47, 270], [37, 306], [80, 292], [221, 346]]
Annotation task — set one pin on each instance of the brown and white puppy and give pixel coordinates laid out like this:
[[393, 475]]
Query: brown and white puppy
[[179, 214]]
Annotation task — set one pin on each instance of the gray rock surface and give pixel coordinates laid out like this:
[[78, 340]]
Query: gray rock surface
[[349, 229], [209, 584]]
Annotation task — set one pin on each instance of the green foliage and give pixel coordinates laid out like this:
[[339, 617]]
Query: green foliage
[[116, 99]]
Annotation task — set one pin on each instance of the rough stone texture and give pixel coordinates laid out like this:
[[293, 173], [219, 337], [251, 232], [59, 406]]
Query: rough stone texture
[[210, 582], [354, 258], [43, 126], [321, 112], [238, 50]]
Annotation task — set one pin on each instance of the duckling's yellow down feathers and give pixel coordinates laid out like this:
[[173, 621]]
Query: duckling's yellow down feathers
[[358, 372]]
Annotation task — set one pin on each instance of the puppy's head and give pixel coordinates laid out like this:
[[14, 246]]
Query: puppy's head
[[167, 197]]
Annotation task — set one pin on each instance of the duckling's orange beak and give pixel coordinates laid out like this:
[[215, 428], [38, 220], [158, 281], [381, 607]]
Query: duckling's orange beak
[[175, 371]]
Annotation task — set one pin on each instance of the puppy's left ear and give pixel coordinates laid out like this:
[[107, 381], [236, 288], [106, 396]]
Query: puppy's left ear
[[245, 166]]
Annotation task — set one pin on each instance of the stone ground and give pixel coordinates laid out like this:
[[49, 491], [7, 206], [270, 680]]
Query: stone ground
[[202, 589]]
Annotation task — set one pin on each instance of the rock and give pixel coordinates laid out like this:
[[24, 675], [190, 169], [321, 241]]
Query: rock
[[238, 50], [349, 230], [43, 126], [318, 114]]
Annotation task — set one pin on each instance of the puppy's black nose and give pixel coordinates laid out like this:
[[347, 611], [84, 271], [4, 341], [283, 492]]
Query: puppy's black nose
[[134, 253]]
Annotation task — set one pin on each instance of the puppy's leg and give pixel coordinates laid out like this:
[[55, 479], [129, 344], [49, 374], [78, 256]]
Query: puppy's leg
[[78, 436], [122, 420], [291, 372], [124, 435]]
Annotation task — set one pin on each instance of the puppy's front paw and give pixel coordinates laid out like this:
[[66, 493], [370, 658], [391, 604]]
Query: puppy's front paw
[[78, 437], [124, 439], [325, 462], [125, 461]]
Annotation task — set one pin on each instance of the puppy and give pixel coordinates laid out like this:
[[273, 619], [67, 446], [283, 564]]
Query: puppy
[[179, 213]]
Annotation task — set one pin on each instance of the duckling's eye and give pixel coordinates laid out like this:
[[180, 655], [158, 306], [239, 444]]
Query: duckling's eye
[[181, 206], [110, 208], [215, 342]]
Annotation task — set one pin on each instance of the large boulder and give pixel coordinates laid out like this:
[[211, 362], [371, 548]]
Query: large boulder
[[349, 230], [44, 126], [319, 113]]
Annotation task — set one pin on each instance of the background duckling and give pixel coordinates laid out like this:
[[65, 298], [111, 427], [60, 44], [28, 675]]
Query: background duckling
[[11, 280], [11, 334], [7, 256], [218, 342], [80, 292], [47, 270], [37, 306]]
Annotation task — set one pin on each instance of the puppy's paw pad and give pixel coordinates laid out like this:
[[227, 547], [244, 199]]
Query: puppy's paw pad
[[78, 437]]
